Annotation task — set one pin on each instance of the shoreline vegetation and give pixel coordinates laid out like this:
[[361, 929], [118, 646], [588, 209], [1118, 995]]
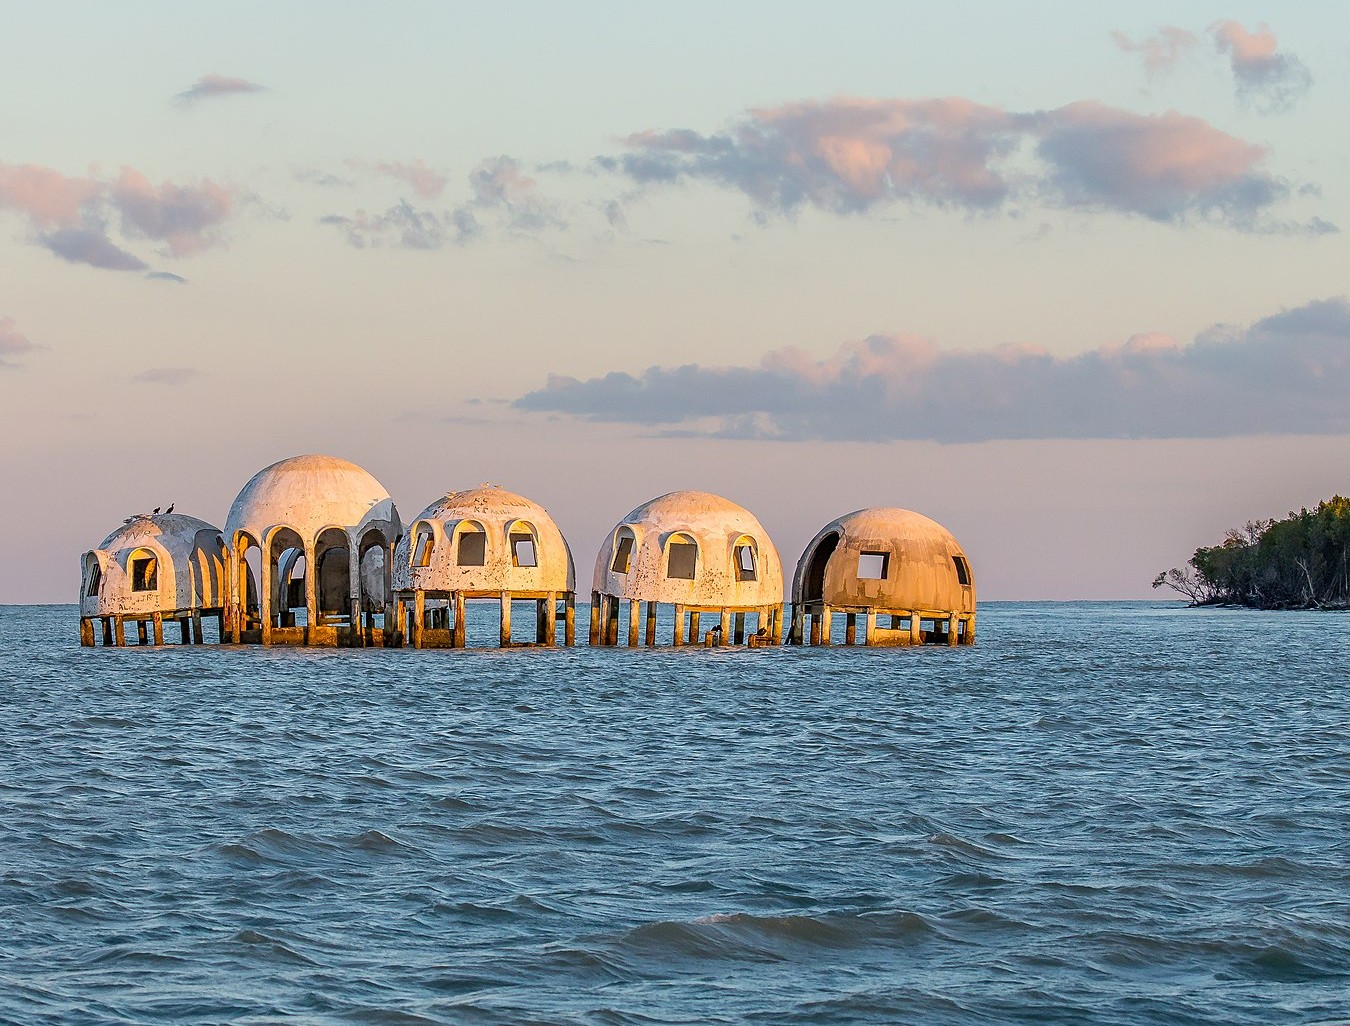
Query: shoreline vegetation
[[1300, 562]]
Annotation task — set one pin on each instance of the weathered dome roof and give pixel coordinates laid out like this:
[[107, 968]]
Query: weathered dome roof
[[496, 510], [308, 494], [164, 528], [918, 563], [715, 524]]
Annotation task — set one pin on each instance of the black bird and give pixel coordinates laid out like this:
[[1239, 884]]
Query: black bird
[[170, 509], [155, 512]]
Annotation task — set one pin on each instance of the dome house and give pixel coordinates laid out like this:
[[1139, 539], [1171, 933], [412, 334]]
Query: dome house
[[695, 551], [891, 563], [155, 568], [310, 542], [481, 543]]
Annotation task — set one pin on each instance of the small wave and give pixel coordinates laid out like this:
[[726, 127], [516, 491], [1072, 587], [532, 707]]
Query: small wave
[[378, 840], [257, 941], [742, 935]]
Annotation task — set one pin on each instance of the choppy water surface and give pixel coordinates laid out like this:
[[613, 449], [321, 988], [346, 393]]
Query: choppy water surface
[[1100, 813]]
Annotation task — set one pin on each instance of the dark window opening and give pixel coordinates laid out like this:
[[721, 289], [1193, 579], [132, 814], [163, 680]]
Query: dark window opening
[[95, 580], [145, 574], [683, 560], [872, 566], [522, 550], [622, 555], [472, 548], [426, 542], [962, 570], [745, 563]]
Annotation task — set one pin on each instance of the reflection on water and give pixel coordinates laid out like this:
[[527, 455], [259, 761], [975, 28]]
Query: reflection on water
[[1125, 813]]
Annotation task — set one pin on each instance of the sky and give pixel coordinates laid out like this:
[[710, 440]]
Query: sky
[[1069, 279]]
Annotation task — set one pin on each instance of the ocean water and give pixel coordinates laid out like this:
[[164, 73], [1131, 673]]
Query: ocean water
[[1101, 813]]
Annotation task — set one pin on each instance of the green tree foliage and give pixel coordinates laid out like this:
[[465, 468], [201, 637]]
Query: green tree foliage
[[1300, 562]]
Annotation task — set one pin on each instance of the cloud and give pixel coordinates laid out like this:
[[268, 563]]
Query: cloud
[[90, 246], [426, 182], [499, 184], [1286, 374], [502, 195], [186, 217], [209, 86], [166, 376], [1161, 51], [850, 155], [13, 344], [69, 216], [177, 279], [1268, 80], [407, 226]]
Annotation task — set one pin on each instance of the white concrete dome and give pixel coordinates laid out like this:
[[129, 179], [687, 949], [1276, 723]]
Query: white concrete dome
[[309, 494], [694, 549], [154, 563], [484, 540], [885, 558]]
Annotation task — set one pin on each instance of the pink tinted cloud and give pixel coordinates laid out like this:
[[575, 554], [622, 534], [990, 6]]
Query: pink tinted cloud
[[1268, 79], [45, 195], [850, 155], [185, 217], [209, 86], [70, 216], [13, 343], [1160, 52], [1286, 374], [425, 181]]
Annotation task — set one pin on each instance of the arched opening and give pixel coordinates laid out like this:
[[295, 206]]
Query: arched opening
[[143, 571], [523, 540], [624, 543], [424, 545], [93, 576], [332, 557], [681, 558], [962, 570], [374, 572], [470, 544], [288, 566], [813, 583], [745, 559]]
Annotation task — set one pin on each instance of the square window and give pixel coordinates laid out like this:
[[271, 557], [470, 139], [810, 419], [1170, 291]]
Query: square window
[[522, 550], [745, 563], [472, 548], [872, 566], [145, 574], [683, 560], [622, 555]]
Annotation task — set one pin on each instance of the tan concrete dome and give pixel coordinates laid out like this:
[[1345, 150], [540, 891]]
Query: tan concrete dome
[[690, 548], [308, 494], [154, 563], [483, 539], [885, 558]]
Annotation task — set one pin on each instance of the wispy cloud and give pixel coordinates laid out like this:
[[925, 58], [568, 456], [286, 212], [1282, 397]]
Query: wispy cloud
[[209, 86], [13, 344], [427, 182], [503, 197], [850, 155], [1268, 80], [166, 376], [1160, 52], [70, 215], [1288, 373], [177, 279]]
